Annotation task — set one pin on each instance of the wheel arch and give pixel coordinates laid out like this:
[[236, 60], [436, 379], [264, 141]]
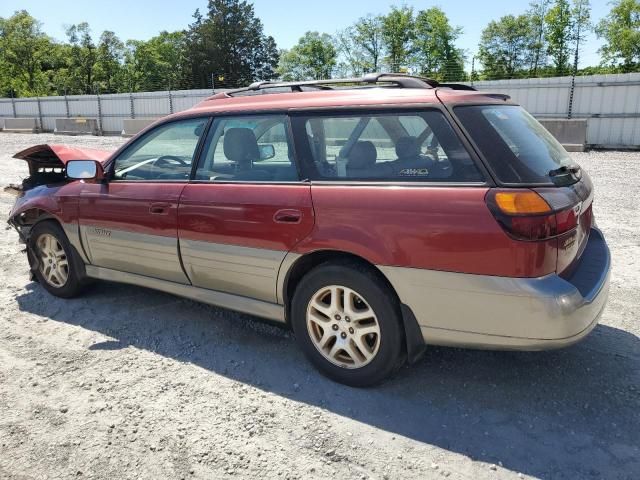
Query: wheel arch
[[296, 267], [25, 220]]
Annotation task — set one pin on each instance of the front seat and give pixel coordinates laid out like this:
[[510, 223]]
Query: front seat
[[362, 159], [241, 147]]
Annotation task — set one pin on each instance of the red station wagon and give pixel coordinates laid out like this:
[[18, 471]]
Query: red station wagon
[[373, 216]]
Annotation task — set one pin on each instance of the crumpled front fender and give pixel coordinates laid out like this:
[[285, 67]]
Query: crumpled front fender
[[42, 198]]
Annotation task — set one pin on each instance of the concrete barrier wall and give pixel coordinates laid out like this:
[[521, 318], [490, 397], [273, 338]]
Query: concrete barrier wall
[[77, 126], [132, 126], [1, 123], [572, 134], [20, 125]]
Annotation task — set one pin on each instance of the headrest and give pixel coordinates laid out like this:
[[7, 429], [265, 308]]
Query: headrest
[[407, 148], [241, 146], [363, 155]]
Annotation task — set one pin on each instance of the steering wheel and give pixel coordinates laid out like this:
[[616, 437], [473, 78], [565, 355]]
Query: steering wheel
[[165, 159]]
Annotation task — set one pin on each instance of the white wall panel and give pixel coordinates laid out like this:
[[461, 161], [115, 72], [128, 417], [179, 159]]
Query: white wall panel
[[611, 103]]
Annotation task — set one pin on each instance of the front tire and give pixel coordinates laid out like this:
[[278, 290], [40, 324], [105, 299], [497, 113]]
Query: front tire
[[348, 324], [56, 265]]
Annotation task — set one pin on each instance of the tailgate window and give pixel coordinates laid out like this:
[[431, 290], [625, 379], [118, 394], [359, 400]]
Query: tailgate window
[[516, 146]]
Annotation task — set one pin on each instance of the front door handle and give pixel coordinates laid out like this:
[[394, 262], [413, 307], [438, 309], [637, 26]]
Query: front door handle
[[159, 208], [287, 216]]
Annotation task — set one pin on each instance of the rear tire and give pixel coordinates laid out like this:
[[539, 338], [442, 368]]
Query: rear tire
[[56, 265], [347, 322]]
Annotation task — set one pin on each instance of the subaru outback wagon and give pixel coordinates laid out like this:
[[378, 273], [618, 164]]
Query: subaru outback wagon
[[373, 216]]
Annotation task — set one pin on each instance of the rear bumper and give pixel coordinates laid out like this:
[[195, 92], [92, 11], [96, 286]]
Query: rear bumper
[[481, 311]]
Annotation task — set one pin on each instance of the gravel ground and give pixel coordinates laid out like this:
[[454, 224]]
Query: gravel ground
[[126, 382]]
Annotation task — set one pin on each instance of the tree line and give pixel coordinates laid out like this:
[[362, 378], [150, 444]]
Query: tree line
[[226, 46]]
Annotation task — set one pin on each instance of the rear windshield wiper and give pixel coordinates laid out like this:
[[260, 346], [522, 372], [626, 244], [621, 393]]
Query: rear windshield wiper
[[565, 170]]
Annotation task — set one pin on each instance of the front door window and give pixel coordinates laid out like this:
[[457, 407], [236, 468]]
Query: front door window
[[164, 154]]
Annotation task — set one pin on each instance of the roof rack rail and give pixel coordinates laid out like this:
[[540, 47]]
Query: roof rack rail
[[400, 80], [458, 86], [403, 80]]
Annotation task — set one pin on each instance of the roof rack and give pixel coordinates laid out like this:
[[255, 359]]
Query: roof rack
[[458, 86], [399, 80]]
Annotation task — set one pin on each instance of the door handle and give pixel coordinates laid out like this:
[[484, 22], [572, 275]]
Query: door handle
[[287, 216], [159, 208]]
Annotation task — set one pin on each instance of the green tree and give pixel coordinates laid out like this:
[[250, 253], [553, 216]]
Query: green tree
[[313, 57], [267, 59], [83, 58], [351, 56], [57, 68], [229, 44], [559, 20], [620, 30], [397, 35], [109, 68], [160, 63], [290, 66], [6, 87], [537, 14], [169, 51], [580, 26], [368, 37], [24, 52], [505, 47], [434, 44]]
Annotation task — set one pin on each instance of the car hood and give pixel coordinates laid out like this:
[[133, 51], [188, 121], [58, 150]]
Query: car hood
[[56, 156]]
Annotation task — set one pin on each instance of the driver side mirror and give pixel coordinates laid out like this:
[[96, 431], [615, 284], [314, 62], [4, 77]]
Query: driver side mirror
[[84, 170], [267, 151]]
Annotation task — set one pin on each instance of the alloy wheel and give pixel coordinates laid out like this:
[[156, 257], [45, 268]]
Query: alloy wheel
[[343, 327], [54, 265]]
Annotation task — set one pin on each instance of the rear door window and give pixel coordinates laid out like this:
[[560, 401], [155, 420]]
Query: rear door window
[[248, 149], [516, 146], [416, 146]]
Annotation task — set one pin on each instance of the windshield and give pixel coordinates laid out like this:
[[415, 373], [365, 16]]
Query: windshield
[[517, 147]]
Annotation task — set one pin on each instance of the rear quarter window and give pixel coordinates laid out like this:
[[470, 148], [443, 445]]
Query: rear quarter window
[[411, 146], [518, 149]]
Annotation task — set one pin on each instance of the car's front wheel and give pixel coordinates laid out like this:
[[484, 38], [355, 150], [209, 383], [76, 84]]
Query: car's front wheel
[[55, 264], [347, 322]]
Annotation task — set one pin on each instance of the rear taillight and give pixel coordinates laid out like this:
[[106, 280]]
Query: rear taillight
[[526, 215]]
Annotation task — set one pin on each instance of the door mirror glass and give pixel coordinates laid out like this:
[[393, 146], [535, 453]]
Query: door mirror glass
[[83, 169], [267, 151]]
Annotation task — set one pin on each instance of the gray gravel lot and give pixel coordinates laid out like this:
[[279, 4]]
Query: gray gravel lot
[[126, 382]]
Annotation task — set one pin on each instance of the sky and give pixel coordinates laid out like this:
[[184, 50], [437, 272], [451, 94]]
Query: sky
[[285, 20]]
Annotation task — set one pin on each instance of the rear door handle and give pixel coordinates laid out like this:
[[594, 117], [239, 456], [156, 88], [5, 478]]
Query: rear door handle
[[159, 208], [287, 216]]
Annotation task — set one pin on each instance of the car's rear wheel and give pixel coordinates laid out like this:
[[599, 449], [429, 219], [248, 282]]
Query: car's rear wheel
[[347, 322], [56, 266]]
